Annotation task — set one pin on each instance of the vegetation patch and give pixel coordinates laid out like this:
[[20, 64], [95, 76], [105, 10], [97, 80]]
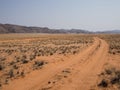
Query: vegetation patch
[[109, 78], [114, 43]]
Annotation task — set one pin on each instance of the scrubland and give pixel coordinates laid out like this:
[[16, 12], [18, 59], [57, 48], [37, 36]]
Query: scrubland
[[109, 78], [20, 54], [64, 61], [114, 43]]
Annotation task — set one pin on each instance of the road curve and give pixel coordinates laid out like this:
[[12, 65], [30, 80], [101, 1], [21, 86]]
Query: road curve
[[77, 73]]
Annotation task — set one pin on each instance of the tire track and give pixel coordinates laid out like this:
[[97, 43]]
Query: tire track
[[82, 75], [80, 67], [86, 75]]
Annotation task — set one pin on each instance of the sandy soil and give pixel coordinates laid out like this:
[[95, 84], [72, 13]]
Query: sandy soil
[[78, 72]]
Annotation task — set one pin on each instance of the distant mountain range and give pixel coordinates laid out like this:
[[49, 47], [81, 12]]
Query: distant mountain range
[[110, 32], [10, 28]]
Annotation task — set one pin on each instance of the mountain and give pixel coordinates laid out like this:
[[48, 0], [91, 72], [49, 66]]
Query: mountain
[[10, 28], [111, 32], [108, 32]]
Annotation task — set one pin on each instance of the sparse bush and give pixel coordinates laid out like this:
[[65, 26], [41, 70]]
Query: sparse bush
[[0, 85], [22, 74], [15, 66], [11, 73], [18, 72], [1, 67], [114, 43], [110, 77], [12, 63], [2, 58], [24, 61], [22, 52], [103, 83], [115, 80], [39, 63], [32, 57], [6, 81], [108, 71]]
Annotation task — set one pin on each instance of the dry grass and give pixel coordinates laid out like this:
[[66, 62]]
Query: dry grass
[[114, 43], [109, 78], [19, 52]]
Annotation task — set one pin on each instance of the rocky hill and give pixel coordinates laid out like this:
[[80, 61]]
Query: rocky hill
[[10, 28]]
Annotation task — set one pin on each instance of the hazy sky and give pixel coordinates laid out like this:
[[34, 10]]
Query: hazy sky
[[84, 14]]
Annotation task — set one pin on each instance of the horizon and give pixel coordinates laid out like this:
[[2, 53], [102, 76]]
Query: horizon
[[63, 28], [90, 15]]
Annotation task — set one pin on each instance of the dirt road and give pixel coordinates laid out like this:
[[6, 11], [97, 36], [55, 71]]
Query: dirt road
[[75, 73]]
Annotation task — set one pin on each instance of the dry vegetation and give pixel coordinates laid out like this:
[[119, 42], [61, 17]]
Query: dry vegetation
[[114, 43], [110, 76], [19, 53]]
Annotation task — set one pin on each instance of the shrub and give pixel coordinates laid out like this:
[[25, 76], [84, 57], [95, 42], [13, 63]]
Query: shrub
[[11, 73], [22, 73], [39, 63], [15, 67], [103, 83], [0, 85], [24, 61], [2, 58], [115, 80], [11, 63], [32, 57], [1, 67], [110, 77], [108, 71]]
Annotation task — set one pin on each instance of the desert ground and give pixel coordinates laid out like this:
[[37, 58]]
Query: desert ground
[[59, 62]]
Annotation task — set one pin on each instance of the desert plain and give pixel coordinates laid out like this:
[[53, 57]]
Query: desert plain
[[59, 62]]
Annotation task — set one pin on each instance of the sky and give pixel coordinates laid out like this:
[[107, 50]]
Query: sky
[[92, 15]]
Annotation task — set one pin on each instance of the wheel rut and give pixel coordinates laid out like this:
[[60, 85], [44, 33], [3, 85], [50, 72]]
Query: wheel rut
[[78, 73]]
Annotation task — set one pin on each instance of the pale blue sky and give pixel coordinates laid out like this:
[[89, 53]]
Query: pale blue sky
[[80, 14]]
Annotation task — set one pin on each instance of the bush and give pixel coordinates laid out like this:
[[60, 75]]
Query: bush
[[24, 61], [115, 80], [108, 71], [11, 73], [39, 63], [0, 85], [15, 67], [32, 57], [103, 83], [22, 73], [1, 67], [110, 77], [11, 63]]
